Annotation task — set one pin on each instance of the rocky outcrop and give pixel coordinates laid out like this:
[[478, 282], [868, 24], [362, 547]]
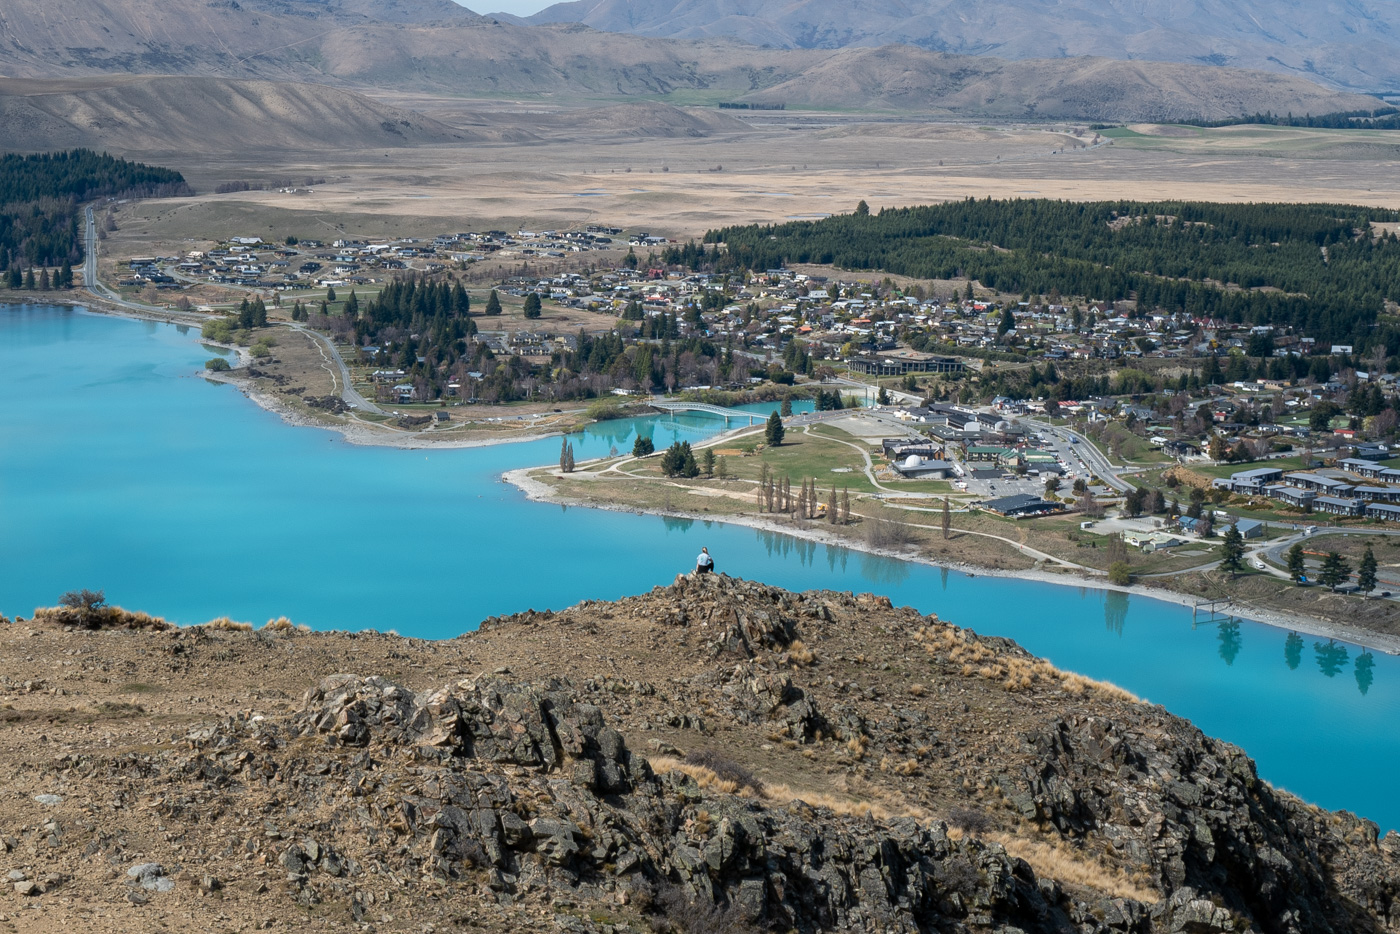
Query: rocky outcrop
[[594, 819], [1234, 852]]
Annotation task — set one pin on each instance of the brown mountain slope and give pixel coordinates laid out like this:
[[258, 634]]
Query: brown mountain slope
[[714, 756], [338, 43], [202, 115], [905, 78], [1353, 44]]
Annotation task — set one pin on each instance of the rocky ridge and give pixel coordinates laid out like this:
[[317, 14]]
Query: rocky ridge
[[717, 755]]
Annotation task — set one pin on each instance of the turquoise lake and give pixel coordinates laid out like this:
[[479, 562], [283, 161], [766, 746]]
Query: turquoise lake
[[121, 469]]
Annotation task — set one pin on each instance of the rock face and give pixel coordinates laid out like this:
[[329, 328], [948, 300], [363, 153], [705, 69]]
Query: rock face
[[821, 787], [594, 819], [1198, 814]]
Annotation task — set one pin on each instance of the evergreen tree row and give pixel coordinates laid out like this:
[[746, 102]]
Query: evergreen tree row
[[1321, 269], [40, 197]]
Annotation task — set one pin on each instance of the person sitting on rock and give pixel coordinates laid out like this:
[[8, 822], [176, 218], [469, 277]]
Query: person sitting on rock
[[704, 564]]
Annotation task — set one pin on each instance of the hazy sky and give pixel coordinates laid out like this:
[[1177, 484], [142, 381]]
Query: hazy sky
[[518, 7]]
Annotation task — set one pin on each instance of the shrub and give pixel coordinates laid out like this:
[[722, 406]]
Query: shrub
[[679, 913], [886, 533], [217, 365], [83, 599], [969, 820], [725, 769], [601, 410], [261, 349], [1119, 573]]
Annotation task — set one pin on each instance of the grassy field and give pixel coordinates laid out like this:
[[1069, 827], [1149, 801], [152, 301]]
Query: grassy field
[[1216, 471]]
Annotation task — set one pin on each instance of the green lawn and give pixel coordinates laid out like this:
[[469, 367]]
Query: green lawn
[[1286, 464]]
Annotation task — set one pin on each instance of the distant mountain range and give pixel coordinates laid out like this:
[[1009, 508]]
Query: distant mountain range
[[1348, 43], [437, 46]]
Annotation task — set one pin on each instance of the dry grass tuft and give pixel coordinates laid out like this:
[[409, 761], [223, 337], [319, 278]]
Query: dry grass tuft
[[704, 777], [918, 690], [1078, 684], [784, 794], [798, 654], [99, 617], [280, 624], [224, 624], [1013, 672], [1053, 859]]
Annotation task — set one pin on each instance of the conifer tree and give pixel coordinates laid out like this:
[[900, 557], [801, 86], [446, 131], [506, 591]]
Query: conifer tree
[[1366, 572], [1297, 566]]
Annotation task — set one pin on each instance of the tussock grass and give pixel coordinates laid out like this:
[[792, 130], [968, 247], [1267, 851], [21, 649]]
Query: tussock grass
[[704, 777], [1013, 672], [282, 624], [781, 794], [1056, 860], [99, 617], [798, 654], [224, 624]]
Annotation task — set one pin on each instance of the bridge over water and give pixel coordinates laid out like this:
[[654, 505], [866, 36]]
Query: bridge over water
[[721, 411]]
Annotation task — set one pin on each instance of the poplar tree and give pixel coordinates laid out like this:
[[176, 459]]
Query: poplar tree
[[831, 507], [947, 518]]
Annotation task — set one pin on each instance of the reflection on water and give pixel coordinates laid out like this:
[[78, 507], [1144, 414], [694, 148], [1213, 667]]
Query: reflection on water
[[943, 577], [836, 558], [1293, 650], [677, 524], [1331, 657], [1228, 632], [1365, 665], [883, 570], [1115, 611]]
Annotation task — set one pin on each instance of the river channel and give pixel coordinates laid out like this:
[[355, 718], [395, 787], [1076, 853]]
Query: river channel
[[122, 469]]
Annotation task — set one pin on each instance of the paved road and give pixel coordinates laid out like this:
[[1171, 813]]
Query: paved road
[[347, 391], [1092, 457], [93, 285], [329, 352]]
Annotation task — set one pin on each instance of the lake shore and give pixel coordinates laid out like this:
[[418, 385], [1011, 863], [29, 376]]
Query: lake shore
[[538, 491], [361, 433]]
